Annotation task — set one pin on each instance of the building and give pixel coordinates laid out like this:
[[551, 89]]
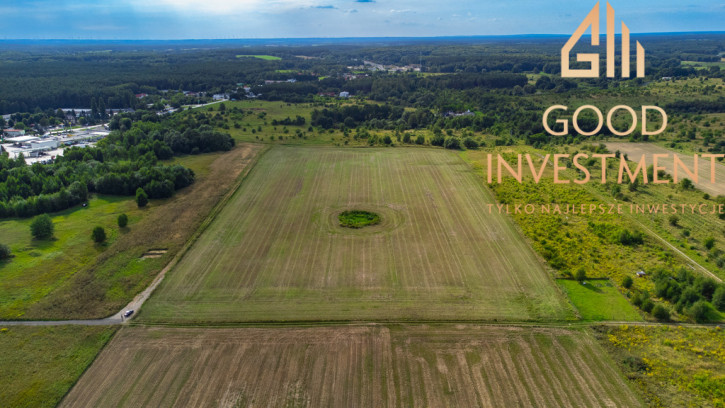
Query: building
[[44, 144], [30, 146], [344, 94], [14, 132]]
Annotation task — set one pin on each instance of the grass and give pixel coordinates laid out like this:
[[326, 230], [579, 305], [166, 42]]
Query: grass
[[40, 364], [599, 300], [704, 65], [365, 366], [71, 277], [671, 366], [262, 57], [276, 252], [358, 219], [42, 266]]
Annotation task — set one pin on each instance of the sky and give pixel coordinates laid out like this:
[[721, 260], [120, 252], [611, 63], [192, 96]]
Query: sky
[[228, 19]]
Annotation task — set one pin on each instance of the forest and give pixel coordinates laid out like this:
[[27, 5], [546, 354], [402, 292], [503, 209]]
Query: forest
[[121, 164]]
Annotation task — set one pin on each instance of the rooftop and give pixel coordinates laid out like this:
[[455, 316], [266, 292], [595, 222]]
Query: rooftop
[[22, 139]]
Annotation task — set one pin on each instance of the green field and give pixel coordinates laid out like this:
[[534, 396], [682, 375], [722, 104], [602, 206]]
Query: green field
[[276, 252], [40, 364], [262, 57], [40, 267], [704, 65], [599, 300]]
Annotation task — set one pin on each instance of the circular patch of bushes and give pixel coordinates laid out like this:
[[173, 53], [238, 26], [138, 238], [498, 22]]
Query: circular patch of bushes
[[358, 219]]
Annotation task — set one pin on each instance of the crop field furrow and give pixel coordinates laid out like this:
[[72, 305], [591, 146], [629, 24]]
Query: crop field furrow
[[547, 393], [412, 232], [568, 389], [290, 275], [582, 374], [353, 366], [520, 355], [450, 259], [447, 199]]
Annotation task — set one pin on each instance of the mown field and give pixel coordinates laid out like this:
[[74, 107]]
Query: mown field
[[599, 300], [71, 277], [277, 253], [356, 366], [38, 365]]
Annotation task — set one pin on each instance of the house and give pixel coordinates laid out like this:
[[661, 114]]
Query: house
[[344, 94], [14, 132], [456, 114], [641, 274], [141, 95]]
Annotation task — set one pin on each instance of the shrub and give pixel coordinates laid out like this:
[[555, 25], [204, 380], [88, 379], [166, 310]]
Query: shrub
[[406, 138], [453, 143], [122, 220], [627, 282], [581, 275], [98, 235], [420, 140], [141, 198], [358, 219], [470, 143], [674, 220], [438, 140], [709, 243], [5, 252], [647, 305], [628, 238], [700, 311], [661, 313], [42, 227], [718, 298]]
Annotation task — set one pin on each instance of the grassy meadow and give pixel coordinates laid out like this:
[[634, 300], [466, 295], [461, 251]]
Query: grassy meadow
[[71, 277], [42, 266], [671, 366], [40, 364]]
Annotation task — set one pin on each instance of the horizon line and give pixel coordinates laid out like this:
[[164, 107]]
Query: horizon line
[[347, 37]]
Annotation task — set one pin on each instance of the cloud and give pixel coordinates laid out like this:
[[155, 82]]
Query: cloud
[[364, 1], [223, 7], [327, 7]]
